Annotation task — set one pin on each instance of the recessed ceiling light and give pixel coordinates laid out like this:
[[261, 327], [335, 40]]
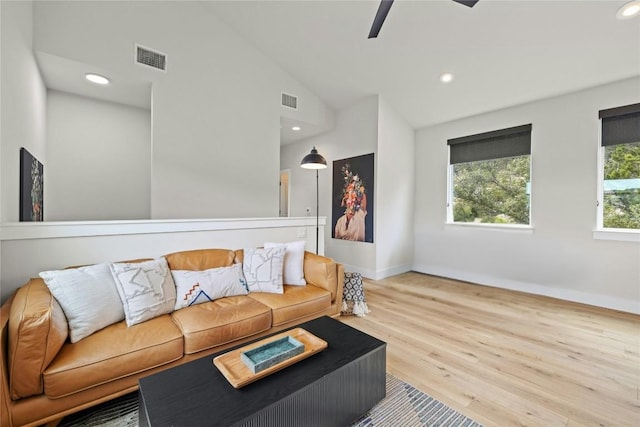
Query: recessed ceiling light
[[296, 128], [446, 77], [97, 79], [629, 10]]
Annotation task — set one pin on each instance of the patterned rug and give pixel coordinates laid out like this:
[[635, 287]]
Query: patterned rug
[[407, 406], [404, 406]]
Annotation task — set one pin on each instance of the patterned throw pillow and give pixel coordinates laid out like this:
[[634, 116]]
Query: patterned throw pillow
[[293, 262], [262, 269], [88, 297], [146, 289], [196, 287]]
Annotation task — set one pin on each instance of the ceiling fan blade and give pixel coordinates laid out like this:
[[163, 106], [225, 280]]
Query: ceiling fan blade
[[383, 10], [469, 3]]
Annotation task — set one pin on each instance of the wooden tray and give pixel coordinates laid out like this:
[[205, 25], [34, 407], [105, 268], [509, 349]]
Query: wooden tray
[[239, 375]]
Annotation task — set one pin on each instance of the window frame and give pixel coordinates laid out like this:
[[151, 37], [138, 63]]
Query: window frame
[[600, 232], [449, 221]]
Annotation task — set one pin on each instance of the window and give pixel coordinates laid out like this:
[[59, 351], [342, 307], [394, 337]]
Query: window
[[619, 197], [490, 176]]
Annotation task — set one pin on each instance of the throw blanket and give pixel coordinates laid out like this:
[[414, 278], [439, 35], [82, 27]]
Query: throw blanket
[[353, 299]]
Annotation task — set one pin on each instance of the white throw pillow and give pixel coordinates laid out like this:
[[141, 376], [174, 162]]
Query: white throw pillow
[[88, 297], [293, 262], [146, 289], [196, 287], [262, 269]]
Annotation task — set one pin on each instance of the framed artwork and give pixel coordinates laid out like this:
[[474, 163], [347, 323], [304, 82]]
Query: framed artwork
[[31, 187], [352, 205]]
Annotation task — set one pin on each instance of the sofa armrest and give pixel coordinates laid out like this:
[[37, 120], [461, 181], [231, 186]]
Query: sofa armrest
[[5, 399], [340, 286], [324, 273], [37, 330]]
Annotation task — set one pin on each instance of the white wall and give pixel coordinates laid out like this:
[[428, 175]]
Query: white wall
[[395, 187], [560, 257], [310, 110], [98, 160], [23, 102], [355, 134], [216, 111], [369, 126], [0, 144]]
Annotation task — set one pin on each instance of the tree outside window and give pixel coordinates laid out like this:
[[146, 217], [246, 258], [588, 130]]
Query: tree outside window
[[490, 176], [621, 186], [493, 191]]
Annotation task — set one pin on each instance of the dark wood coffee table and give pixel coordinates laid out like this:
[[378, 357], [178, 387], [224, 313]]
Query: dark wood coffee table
[[331, 388]]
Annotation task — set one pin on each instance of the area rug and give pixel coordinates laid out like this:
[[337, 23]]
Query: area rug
[[404, 406], [407, 406]]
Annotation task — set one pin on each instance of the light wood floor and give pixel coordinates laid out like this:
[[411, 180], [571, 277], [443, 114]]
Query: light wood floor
[[506, 358]]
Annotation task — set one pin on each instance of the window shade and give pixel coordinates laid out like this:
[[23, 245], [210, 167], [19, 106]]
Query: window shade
[[510, 142], [620, 125]]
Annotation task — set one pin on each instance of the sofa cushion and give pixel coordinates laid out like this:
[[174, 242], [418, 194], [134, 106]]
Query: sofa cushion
[[200, 259], [221, 321], [112, 353], [294, 303], [37, 331]]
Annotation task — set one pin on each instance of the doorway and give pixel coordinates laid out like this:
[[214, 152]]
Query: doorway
[[284, 192]]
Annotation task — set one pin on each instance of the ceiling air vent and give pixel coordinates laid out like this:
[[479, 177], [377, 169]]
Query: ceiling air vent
[[150, 58], [289, 101]]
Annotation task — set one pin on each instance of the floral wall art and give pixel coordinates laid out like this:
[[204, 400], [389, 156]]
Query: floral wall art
[[31, 187], [352, 207]]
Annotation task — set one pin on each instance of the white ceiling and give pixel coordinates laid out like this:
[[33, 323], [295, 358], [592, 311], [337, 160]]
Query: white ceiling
[[502, 53], [66, 75], [306, 130]]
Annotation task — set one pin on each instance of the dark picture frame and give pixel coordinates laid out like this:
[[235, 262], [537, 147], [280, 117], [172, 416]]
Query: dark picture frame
[[353, 198], [31, 187]]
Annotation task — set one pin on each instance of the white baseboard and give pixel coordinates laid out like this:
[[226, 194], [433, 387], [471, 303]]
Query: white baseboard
[[597, 300], [392, 271], [369, 274], [378, 274]]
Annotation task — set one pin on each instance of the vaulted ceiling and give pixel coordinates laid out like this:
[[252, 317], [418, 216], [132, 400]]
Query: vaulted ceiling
[[501, 52]]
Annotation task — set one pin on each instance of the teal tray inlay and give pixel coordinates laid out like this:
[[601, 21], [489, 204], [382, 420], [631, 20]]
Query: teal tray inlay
[[270, 354]]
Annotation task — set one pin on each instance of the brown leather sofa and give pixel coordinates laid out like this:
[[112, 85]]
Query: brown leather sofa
[[45, 377]]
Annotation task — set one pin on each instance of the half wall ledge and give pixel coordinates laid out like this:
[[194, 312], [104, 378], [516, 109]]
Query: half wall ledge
[[59, 229]]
